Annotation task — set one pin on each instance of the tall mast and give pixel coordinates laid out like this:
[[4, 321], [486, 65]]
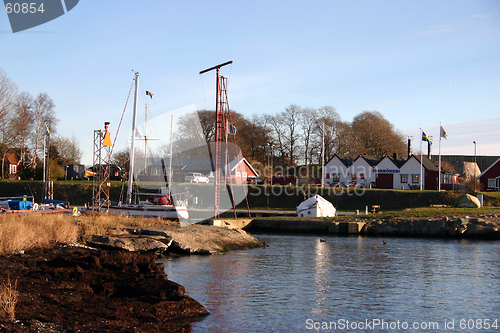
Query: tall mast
[[132, 147], [146, 141], [220, 131], [170, 175]]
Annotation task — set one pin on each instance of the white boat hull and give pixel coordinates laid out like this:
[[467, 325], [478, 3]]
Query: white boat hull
[[159, 211]]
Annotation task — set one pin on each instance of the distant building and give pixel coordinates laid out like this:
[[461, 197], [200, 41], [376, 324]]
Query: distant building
[[490, 178], [74, 171], [410, 174], [11, 166], [157, 169], [16, 161], [483, 162], [385, 172]]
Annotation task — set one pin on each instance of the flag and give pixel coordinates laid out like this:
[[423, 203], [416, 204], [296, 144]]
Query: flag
[[442, 133], [107, 140], [231, 129], [328, 130], [425, 137]]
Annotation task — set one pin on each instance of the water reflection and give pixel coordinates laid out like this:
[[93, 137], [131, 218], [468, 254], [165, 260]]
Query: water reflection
[[300, 277]]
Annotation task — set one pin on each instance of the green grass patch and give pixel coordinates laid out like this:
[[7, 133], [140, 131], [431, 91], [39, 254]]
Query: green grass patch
[[408, 212]]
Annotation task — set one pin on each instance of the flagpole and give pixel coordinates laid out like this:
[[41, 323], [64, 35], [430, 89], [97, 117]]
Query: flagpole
[[421, 167], [323, 159], [439, 180]]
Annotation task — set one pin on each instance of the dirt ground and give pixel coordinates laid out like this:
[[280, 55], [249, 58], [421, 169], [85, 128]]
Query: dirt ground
[[75, 289]]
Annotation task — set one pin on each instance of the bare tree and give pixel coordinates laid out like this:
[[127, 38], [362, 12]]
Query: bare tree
[[22, 120], [291, 124], [8, 92], [309, 126], [334, 139], [122, 159], [67, 150], [252, 136], [45, 120], [345, 143], [188, 138], [207, 121], [275, 123]]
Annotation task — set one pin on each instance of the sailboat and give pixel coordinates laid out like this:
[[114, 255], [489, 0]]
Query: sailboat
[[160, 205]]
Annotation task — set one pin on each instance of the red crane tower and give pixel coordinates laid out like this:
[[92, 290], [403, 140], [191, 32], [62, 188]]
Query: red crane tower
[[223, 127]]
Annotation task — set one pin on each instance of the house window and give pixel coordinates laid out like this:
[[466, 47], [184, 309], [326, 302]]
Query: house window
[[404, 178], [13, 169], [335, 177], [415, 179], [244, 175], [491, 183], [238, 174]]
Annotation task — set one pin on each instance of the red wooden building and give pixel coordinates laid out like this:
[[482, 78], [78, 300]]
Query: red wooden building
[[490, 178]]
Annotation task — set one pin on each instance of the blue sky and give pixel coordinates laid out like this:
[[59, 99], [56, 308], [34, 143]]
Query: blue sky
[[417, 62]]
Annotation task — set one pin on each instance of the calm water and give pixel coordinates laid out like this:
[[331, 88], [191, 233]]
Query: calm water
[[300, 284]]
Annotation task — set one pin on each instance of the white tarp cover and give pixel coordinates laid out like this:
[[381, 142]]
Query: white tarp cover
[[316, 206]]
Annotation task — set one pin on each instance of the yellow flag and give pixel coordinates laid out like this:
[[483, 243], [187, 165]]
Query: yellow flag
[[107, 140]]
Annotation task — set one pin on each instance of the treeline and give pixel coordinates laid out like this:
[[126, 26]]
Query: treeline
[[295, 135], [28, 127], [291, 137]]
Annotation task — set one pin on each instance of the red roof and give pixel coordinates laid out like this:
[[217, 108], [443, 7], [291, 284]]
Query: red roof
[[11, 157]]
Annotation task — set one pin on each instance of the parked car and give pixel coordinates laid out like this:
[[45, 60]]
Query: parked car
[[255, 181], [195, 177]]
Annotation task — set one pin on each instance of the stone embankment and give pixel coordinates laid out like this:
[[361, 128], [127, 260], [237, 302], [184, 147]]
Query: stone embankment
[[484, 226], [193, 239], [481, 226]]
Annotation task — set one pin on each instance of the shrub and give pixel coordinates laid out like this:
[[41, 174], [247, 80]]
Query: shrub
[[8, 300]]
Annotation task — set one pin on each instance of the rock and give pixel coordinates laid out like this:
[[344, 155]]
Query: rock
[[467, 200], [194, 239], [206, 239], [132, 243], [463, 220]]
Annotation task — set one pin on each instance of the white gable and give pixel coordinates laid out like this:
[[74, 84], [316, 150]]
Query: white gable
[[386, 165], [337, 172], [362, 172]]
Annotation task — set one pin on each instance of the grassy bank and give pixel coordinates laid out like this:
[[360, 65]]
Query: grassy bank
[[423, 212], [23, 232]]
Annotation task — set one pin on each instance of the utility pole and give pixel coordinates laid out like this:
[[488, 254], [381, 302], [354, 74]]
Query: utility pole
[[475, 163]]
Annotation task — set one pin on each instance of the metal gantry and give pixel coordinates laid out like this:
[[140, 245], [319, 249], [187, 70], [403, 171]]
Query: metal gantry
[[100, 168], [222, 116]]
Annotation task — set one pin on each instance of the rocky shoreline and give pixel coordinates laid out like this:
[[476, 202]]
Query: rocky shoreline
[[117, 288], [167, 240], [76, 289], [479, 227]]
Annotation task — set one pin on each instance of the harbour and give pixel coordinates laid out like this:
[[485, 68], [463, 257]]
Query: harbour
[[299, 282]]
